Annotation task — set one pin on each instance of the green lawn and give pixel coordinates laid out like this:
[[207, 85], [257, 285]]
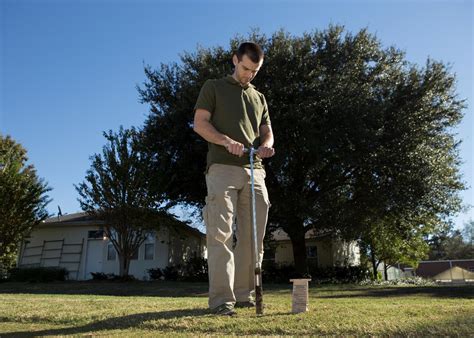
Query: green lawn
[[166, 308]]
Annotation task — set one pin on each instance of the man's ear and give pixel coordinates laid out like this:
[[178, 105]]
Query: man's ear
[[235, 60]]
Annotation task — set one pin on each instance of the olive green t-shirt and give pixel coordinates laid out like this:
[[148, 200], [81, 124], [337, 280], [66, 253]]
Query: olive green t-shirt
[[237, 112]]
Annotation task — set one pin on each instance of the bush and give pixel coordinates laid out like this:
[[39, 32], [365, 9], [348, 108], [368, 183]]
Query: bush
[[193, 270], [7, 262], [103, 276], [99, 276], [126, 278], [111, 277], [418, 281], [276, 273], [40, 274], [155, 274], [172, 272], [340, 275]]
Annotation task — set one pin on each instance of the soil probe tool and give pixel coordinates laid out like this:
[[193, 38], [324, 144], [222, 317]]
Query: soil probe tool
[[258, 268]]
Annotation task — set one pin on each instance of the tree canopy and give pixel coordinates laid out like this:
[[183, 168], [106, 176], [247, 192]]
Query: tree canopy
[[23, 199], [451, 244], [116, 189]]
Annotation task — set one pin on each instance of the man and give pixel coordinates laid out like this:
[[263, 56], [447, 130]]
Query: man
[[231, 114]]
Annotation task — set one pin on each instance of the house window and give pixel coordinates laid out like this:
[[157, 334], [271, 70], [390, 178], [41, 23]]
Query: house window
[[149, 251], [312, 251], [95, 234], [111, 253]]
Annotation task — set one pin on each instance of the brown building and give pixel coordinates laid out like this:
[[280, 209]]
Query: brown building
[[459, 269]]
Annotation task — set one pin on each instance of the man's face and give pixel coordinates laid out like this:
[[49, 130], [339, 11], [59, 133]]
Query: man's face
[[245, 69]]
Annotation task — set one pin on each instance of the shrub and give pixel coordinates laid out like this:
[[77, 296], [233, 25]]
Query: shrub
[[193, 270], [7, 262], [339, 274], [400, 282], [126, 278], [39, 274], [155, 274], [379, 276], [172, 272], [100, 276], [109, 276], [276, 273]]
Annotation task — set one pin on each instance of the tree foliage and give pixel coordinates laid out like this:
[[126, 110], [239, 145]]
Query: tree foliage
[[23, 199], [116, 190], [468, 232], [364, 140], [451, 244]]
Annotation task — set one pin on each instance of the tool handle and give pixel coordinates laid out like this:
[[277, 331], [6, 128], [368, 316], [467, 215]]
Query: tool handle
[[248, 150], [259, 299], [258, 270]]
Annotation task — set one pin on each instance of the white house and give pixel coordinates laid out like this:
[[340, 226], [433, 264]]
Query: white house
[[77, 243], [321, 251]]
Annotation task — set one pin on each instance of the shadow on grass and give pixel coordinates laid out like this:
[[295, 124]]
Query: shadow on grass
[[461, 325], [134, 321], [116, 323], [187, 289], [109, 288], [461, 291]]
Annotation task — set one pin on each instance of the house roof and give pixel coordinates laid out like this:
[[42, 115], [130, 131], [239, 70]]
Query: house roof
[[78, 218], [454, 273], [84, 219], [428, 269]]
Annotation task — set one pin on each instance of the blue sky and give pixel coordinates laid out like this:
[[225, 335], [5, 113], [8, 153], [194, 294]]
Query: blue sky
[[68, 69]]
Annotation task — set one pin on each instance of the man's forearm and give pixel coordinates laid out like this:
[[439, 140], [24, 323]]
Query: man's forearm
[[267, 139], [207, 131], [266, 142]]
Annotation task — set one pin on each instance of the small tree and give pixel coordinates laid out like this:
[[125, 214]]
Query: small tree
[[116, 190], [23, 200], [383, 243]]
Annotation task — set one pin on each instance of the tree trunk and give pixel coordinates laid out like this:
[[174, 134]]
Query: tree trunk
[[299, 252], [124, 265], [374, 261], [385, 271]]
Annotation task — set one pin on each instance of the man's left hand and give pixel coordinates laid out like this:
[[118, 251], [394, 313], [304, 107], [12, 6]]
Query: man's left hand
[[265, 152]]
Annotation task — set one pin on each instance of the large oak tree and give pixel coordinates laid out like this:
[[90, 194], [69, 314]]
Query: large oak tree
[[363, 138]]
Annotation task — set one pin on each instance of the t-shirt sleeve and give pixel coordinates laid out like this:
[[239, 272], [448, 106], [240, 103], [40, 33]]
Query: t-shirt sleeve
[[265, 115], [207, 97]]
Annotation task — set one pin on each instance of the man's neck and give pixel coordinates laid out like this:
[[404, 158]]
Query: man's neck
[[234, 76]]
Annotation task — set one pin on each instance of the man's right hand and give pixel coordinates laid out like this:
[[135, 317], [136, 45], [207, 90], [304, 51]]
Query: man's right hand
[[204, 127], [235, 148]]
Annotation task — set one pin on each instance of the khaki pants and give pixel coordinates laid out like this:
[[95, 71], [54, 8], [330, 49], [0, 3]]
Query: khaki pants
[[229, 200]]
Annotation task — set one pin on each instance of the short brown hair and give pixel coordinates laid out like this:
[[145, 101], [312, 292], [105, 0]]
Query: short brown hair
[[252, 50]]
